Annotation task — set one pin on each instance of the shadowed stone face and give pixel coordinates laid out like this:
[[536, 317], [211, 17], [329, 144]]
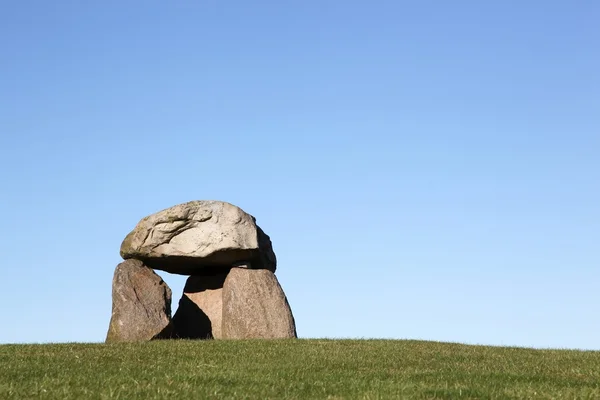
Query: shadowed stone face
[[200, 308], [190, 237]]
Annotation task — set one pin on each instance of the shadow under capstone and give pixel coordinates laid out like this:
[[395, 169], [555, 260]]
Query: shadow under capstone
[[200, 308]]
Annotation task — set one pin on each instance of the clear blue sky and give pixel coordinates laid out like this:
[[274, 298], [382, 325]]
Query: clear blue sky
[[425, 169]]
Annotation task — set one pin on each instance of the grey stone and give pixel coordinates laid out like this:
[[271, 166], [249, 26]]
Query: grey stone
[[194, 237], [141, 304], [255, 306]]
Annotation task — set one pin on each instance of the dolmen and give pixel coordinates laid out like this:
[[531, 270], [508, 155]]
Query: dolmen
[[231, 293]]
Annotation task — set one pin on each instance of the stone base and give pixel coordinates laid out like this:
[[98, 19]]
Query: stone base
[[141, 304], [255, 306]]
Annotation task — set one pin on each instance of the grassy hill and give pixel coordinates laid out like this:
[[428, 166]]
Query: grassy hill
[[294, 369]]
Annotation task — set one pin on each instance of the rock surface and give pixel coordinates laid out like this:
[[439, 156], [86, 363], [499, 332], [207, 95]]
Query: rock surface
[[200, 308], [255, 306], [190, 237], [141, 304]]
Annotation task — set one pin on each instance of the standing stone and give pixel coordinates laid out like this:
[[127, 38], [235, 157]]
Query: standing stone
[[141, 304], [200, 308], [254, 306], [191, 237]]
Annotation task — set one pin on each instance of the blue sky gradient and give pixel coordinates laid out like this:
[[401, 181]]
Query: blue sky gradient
[[425, 169]]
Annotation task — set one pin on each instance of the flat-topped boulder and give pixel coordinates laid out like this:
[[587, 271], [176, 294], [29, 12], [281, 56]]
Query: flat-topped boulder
[[199, 235]]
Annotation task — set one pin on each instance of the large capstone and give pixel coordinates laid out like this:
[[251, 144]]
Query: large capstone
[[198, 236], [141, 304]]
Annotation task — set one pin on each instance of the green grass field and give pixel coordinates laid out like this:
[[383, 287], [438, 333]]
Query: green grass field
[[295, 369]]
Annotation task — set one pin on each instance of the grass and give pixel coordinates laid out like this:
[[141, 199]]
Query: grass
[[295, 369]]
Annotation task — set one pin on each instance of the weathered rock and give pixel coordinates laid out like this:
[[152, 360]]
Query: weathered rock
[[200, 308], [141, 304], [191, 237], [255, 306]]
